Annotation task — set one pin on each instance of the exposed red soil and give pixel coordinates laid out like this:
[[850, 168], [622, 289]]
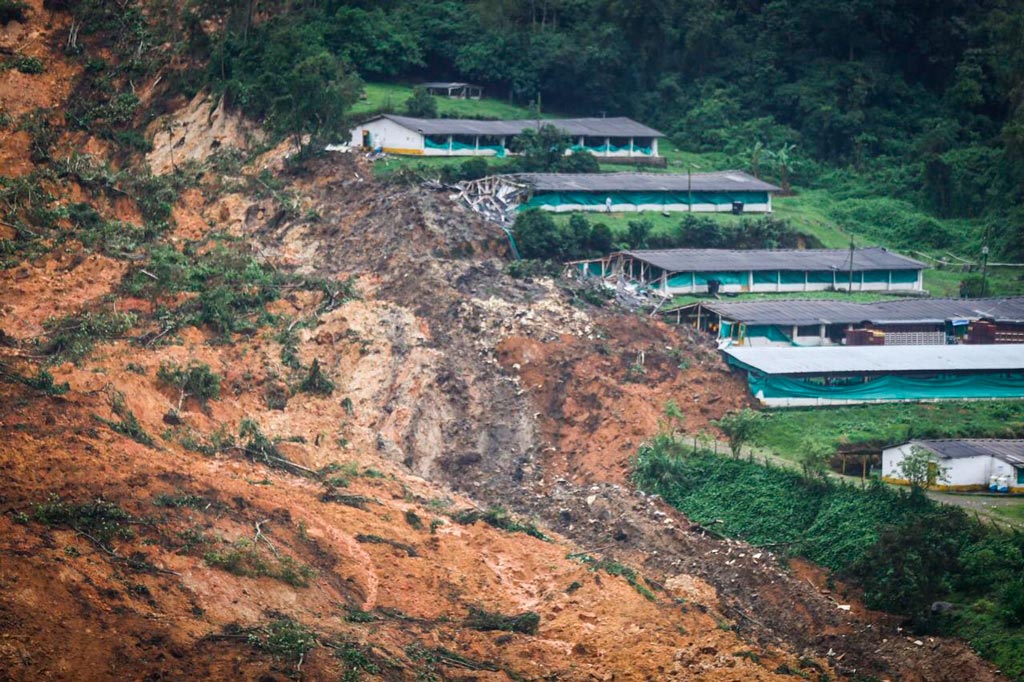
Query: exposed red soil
[[457, 387]]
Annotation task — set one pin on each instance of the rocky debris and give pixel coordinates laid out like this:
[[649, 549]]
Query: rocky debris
[[197, 131]]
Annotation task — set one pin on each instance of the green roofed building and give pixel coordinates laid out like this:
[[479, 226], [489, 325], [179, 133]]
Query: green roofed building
[[612, 138], [672, 272], [832, 375], [724, 191]]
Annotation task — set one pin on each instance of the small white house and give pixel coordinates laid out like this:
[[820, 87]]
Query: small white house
[[963, 464], [604, 137]]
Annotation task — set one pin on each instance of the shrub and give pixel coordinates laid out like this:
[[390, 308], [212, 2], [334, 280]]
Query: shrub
[[481, 619], [72, 337], [195, 380], [103, 521], [316, 381], [422, 104], [284, 638], [29, 65], [13, 10]]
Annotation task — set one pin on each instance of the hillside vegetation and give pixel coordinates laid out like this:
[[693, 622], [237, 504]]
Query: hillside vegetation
[[887, 104]]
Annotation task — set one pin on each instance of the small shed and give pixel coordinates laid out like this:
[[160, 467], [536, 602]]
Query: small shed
[[831, 375], [671, 272], [966, 464], [725, 191], [454, 90]]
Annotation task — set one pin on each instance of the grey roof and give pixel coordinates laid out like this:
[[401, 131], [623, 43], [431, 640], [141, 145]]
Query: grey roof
[[904, 310], [711, 260], [619, 126], [722, 181], [884, 359], [444, 85], [1010, 451]]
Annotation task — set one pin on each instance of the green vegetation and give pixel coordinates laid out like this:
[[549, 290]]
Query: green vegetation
[[481, 619], [72, 337], [615, 568], [740, 428], [12, 10], [246, 559], [195, 380], [284, 638], [875, 426], [902, 549], [99, 520], [316, 381], [497, 517], [378, 540], [391, 98], [42, 381], [127, 424]]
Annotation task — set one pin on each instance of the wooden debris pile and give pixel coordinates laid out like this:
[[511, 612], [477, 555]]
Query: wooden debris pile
[[495, 197]]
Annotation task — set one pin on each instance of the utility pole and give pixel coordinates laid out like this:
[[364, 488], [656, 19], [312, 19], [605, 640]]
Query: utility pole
[[984, 270], [850, 290], [689, 184]]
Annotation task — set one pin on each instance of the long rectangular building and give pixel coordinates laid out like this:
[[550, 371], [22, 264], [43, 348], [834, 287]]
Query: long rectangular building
[[903, 321], [662, 192], [800, 377], [605, 137], [692, 271]]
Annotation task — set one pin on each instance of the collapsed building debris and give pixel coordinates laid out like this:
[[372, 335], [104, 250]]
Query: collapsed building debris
[[495, 197]]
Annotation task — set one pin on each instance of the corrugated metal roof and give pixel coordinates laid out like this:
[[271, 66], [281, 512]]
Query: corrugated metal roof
[[447, 84], [904, 310], [1008, 450], [722, 181], [718, 260], [619, 126], [871, 359]]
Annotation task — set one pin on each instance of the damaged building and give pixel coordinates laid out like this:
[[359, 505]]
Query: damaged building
[[672, 272]]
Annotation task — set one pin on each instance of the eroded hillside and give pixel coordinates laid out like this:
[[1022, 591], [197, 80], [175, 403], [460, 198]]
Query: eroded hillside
[[312, 430]]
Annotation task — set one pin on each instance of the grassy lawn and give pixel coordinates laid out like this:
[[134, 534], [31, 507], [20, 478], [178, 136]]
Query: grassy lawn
[[389, 96], [856, 297], [785, 431]]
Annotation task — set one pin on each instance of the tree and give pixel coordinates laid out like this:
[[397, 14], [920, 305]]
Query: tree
[[541, 149], [538, 236], [422, 104], [601, 238], [814, 457], [319, 90], [638, 232], [740, 428], [920, 469]]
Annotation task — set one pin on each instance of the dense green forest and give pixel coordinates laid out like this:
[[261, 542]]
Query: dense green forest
[[913, 100]]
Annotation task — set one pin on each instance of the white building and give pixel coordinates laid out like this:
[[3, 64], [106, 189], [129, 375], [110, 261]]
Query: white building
[[617, 137], [967, 464]]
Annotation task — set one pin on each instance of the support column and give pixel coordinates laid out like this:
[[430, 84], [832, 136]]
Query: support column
[[450, 138], [607, 146]]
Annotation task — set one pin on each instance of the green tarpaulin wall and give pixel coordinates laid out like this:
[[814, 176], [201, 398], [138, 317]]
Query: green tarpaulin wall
[[638, 198], [610, 148], [887, 387], [430, 144]]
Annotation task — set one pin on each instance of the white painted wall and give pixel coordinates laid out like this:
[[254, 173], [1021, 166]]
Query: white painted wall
[[389, 135], [964, 471]]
